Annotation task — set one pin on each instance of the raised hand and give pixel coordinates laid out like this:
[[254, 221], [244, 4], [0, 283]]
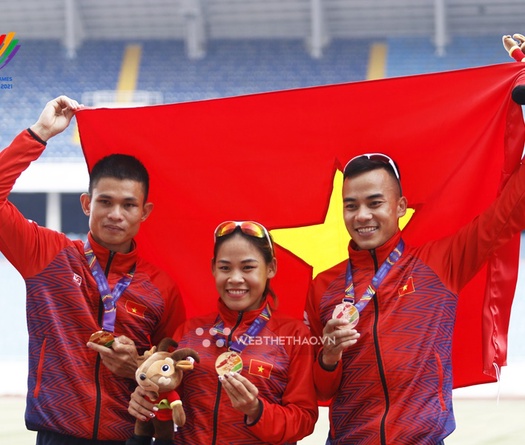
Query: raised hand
[[55, 117]]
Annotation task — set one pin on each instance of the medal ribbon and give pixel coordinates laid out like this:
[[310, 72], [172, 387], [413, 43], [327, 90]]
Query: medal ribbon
[[244, 340], [109, 298], [376, 280]]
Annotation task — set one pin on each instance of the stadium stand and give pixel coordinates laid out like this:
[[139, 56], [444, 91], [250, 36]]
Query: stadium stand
[[43, 70]]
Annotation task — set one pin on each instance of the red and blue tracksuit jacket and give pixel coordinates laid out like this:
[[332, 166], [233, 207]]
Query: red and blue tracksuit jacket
[[278, 361], [394, 386], [69, 390]]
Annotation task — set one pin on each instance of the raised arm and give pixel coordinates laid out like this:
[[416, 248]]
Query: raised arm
[[55, 117]]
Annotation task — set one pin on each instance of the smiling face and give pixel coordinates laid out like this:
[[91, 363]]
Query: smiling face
[[116, 209], [372, 207], [241, 273]]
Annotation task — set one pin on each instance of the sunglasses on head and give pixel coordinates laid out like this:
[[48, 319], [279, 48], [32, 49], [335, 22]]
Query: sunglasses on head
[[250, 228], [378, 157]]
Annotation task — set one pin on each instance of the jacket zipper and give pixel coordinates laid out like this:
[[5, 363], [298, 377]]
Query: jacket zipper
[[382, 428], [96, 419], [219, 385]]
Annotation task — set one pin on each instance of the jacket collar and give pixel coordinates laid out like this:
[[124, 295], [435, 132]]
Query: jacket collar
[[365, 258], [120, 262], [231, 318]]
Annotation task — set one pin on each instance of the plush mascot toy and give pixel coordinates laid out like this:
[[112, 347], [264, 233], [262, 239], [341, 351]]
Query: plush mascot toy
[[515, 46], [161, 373]]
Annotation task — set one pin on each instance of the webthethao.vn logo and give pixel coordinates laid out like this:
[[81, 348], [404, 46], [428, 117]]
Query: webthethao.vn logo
[[9, 46]]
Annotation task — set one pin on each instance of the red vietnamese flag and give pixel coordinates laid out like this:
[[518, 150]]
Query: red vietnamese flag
[[408, 288], [135, 308], [272, 157], [260, 368]]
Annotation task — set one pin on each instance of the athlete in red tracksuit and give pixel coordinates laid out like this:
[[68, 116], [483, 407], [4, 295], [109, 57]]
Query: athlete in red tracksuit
[[393, 384], [272, 400], [70, 391], [279, 368]]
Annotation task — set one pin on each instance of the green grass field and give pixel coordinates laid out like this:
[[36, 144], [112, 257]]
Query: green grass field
[[480, 422]]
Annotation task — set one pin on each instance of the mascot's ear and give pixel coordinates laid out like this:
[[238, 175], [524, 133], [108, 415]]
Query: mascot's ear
[[185, 365], [142, 358], [185, 354], [166, 343]]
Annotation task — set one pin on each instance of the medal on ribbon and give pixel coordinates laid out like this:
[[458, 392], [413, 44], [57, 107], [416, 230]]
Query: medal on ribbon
[[231, 361], [348, 308], [103, 338], [109, 298]]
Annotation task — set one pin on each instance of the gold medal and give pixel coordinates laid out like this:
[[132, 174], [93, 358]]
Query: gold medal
[[227, 362], [103, 338], [346, 310]]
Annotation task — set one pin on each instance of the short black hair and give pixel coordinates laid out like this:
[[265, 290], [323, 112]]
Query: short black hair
[[363, 164], [120, 166]]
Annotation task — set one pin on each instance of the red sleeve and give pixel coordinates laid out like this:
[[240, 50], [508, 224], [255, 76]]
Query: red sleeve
[[467, 250], [26, 245], [326, 382], [517, 54], [295, 418]]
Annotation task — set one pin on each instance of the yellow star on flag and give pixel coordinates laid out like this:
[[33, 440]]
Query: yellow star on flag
[[323, 245]]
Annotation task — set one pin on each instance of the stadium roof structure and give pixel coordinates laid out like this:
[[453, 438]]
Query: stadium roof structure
[[317, 22]]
